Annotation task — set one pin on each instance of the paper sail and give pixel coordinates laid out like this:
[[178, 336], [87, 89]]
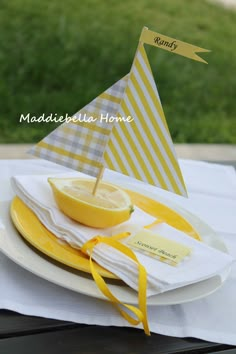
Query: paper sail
[[143, 148], [80, 144], [140, 146]]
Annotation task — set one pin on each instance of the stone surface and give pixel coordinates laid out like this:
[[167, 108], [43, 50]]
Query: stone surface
[[209, 152], [231, 4]]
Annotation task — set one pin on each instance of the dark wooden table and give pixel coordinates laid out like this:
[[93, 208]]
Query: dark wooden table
[[34, 335]]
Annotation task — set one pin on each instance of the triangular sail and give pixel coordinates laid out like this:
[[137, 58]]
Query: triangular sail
[[80, 145], [143, 148]]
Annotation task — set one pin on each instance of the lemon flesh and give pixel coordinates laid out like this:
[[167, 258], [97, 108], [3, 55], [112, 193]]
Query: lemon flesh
[[110, 205]]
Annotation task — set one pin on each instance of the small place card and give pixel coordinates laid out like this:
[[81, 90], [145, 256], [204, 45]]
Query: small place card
[[160, 247]]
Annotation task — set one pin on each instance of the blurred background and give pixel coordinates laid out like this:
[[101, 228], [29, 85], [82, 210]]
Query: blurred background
[[56, 56]]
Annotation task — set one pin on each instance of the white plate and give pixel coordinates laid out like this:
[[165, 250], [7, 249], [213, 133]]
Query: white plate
[[14, 247]]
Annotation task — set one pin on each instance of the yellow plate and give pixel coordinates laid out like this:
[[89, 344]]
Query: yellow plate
[[37, 235]]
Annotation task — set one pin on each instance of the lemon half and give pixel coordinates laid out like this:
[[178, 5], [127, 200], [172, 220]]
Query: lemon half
[[110, 205]]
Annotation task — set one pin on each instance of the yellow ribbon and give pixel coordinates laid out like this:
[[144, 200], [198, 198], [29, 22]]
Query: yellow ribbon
[[141, 312]]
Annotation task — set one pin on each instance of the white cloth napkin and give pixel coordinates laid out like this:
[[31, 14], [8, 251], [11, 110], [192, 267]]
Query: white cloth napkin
[[211, 318], [36, 192]]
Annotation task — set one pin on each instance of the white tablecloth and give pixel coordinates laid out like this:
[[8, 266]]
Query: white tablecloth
[[212, 196]]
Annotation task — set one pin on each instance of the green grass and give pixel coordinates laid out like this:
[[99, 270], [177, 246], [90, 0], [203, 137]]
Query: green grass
[[56, 56]]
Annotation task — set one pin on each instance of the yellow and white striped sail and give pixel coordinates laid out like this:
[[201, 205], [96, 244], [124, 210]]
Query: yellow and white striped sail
[[143, 148]]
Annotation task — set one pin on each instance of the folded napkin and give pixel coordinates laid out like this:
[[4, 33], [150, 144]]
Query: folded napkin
[[204, 261]]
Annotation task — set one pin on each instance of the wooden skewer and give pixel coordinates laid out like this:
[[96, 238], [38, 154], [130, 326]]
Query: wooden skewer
[[99, 177]]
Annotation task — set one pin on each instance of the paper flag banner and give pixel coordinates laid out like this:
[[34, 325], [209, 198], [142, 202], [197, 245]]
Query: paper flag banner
[[141, 148], [172, 45]]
